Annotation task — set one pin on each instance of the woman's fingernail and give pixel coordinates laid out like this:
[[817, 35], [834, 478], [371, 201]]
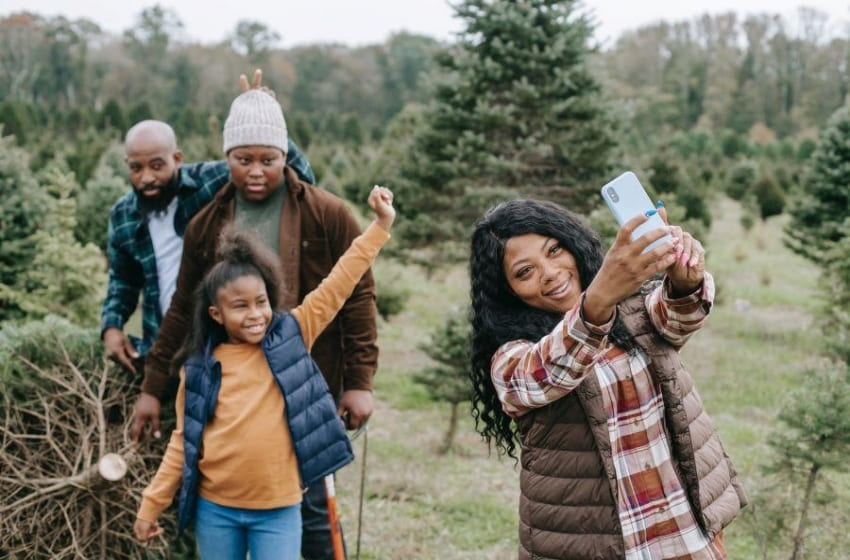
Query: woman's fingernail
[[650, 212], [694, 262], [684, 259], [659, 204]]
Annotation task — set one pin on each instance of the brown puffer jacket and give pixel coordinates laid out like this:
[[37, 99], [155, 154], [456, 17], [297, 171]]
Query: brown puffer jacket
[[568, 486]]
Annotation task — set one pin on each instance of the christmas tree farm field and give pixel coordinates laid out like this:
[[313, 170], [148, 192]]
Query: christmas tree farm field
[[754, 352], [420, 503]]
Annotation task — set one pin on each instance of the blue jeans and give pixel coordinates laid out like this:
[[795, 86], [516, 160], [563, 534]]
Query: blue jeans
[[316, 535], [227, 533]]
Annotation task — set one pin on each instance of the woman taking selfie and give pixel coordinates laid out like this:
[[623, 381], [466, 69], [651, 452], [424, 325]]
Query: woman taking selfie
[[575, 356]]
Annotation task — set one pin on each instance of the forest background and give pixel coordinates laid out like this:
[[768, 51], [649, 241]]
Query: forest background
[[738, 124]]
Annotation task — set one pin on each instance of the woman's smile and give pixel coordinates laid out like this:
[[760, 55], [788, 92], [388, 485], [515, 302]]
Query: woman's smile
[[541, 273]]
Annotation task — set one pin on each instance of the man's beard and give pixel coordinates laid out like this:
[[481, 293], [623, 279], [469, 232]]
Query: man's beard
[[150, 205]]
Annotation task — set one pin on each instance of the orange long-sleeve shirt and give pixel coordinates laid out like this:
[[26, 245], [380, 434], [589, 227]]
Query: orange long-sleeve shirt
[[248, 457]]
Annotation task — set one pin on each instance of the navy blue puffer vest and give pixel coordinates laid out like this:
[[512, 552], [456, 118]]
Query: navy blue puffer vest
[[321, 444]]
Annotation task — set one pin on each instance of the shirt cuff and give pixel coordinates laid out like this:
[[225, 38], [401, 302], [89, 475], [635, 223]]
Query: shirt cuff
[[703, 295], [376, 235], [157, 384], [149, 511], [588, 334], [358, 378], [110, 320]]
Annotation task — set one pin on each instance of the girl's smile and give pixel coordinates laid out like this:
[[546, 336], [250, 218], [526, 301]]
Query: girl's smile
[[243, 309]]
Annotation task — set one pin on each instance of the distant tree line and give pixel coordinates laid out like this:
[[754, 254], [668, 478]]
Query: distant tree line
[[714, 72], [65, 76], [715, 103]]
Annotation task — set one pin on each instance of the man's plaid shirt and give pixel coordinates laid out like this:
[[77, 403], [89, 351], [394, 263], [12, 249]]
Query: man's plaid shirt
[[132, 263]]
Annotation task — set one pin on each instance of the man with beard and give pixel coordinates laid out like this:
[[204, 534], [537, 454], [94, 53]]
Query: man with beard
[[146, 227]]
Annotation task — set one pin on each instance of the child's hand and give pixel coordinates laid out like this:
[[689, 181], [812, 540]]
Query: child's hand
[[145, 530], [257, 83], [381, 201]]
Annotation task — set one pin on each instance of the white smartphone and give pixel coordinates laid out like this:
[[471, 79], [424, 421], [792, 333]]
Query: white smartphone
[[627, 198]]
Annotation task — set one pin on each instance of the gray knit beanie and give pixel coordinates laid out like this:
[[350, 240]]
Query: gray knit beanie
[[255, 119]]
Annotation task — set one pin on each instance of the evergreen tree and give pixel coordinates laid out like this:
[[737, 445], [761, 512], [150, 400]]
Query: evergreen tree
[[664, 172], [85, 154], [352, 132], [301, 129], [517, 110], [23, 208], [819, 213], [806, 149], [741, 179], [13, 121], [733, 145], [139, 112], [391, 85], [332, 126], [112, 117], [186, 121], [813, 439], [392, 297], [769, 196], [63, 277], [75, 120], [447, 381], [108, 183], [836, 283]]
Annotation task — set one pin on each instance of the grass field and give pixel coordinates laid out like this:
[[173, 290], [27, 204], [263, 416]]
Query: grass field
[[420, 504]]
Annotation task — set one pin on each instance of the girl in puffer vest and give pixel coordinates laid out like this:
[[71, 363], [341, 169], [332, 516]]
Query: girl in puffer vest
[[575, 355], [256, 423]]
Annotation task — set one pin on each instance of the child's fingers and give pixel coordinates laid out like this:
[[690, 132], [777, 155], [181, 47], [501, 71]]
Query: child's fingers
[[383, 194], [143, 529], [157, 531], [256, 81]]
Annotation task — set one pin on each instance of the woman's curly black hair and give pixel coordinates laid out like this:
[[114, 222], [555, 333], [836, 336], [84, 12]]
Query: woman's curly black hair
[[499, 316], [238, 254]]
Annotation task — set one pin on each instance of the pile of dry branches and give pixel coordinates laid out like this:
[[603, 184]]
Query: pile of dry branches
[[54, 503]]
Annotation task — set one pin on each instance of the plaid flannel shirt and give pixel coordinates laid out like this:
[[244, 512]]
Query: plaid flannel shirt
[[655, 515], [132, 262]]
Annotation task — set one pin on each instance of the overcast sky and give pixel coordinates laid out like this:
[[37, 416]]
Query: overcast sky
[[358, 22]]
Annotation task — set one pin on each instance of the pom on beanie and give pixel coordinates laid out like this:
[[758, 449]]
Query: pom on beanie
[[255, 119]]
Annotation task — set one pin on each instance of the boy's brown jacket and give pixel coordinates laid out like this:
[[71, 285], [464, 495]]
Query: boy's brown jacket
[[316, 228]]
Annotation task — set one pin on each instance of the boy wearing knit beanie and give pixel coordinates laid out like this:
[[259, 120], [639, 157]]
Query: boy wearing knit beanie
[[255, 140], [309, 228]]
